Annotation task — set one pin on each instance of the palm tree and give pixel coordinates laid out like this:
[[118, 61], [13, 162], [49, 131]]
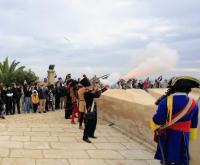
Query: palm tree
[[7, 71]]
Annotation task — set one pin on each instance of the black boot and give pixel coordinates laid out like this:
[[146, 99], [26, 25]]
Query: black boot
[[87, 140]]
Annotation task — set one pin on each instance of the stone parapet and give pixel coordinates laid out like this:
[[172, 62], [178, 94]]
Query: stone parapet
[[129, 110]]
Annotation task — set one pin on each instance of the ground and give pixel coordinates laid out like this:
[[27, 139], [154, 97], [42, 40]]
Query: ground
[[49, 139]]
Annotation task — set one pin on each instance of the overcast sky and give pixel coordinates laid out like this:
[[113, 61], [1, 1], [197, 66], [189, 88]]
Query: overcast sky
[[98, 36]]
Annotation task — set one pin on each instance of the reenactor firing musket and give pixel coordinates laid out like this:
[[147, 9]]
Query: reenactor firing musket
[[101, 77]]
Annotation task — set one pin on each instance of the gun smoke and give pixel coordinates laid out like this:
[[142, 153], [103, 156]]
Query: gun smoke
[[156, 58]]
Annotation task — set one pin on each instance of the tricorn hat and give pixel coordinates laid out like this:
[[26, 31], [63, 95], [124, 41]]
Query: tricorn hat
[[85, 82], [184, 82]]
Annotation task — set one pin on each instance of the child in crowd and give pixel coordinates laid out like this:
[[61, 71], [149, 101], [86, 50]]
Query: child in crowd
[[35, 100]]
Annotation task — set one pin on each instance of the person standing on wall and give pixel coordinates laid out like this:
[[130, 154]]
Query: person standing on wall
[[175, 122]]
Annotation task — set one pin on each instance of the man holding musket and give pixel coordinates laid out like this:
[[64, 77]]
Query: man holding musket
[[175, 122]]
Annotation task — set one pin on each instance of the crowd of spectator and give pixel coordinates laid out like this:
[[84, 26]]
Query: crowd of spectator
[[141, 84]]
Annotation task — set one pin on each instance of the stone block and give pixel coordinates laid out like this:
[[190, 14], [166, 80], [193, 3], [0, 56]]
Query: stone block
[[25, 153], [20, 138], [72, 146], [11, 144], [18, 161], [104, 154], [18, 129], [65, 154], [110, 146], [126, 162], [67, 139], [52, 162], [137, 154], [36, 133], [4, 152], [87, 162], [44, 139], [36, 145]]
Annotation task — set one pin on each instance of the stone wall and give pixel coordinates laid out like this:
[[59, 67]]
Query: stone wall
[[131, 111]]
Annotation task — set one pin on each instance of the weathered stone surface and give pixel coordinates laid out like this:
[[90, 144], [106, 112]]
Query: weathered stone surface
[[68, 139], [43, 145], [20, 138], [4, 152], [126, 162], [87, 162], [10, 144], [136, 154], [36, 145], [18, 161], [19, 129], [72, 146], [25, 153], [110, 146], [4, 138], [65, 154], [52, 162], [36, 133], [131, 110], [104, 154], [44, 139], [44, 129], [6, 133]]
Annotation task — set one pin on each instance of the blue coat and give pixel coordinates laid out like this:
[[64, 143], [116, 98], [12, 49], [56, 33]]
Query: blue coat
[[175, 143]]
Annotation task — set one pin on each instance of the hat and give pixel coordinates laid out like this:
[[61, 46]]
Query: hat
[[184, 81], [85, 82], [183, 84]]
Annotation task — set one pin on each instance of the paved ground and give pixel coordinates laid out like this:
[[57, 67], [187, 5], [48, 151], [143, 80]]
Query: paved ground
[[49, 139]]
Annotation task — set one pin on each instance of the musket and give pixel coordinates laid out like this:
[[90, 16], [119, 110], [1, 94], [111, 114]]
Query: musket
[[161, 148], [101, 77]]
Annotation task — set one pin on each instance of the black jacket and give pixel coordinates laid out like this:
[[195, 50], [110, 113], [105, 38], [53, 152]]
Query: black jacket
[[89, 97]]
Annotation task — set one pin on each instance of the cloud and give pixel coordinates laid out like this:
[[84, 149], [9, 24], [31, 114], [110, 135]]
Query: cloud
[[186, 70], [102, 35]]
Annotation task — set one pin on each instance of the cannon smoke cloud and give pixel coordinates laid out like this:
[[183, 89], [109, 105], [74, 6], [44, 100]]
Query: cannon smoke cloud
[[155, 59]]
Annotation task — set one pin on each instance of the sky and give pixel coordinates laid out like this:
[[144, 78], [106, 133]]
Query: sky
[[99, 36]]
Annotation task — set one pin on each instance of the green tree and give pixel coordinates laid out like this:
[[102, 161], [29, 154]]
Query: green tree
[[12, 73]]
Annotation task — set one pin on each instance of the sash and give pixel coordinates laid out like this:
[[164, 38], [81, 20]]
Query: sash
[[178, 117], [172, 120]]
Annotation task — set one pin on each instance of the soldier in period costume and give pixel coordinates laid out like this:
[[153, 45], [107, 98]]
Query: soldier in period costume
[[82, 105], [175, 122]]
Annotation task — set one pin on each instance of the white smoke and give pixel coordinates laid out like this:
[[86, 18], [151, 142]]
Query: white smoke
[[112, 79], [156, 58]]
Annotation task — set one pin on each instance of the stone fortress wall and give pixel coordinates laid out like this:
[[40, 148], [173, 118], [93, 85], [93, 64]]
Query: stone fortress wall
[[131, 110]]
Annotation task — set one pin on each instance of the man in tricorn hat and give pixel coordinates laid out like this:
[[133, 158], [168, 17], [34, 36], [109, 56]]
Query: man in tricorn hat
[[175, 122]]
